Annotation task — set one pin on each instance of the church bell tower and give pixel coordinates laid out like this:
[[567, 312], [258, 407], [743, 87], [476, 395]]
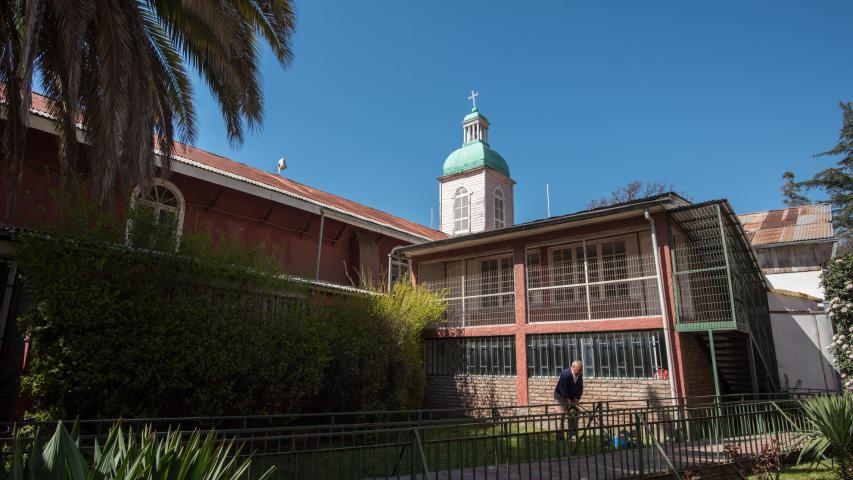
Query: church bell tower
[[475, 187]]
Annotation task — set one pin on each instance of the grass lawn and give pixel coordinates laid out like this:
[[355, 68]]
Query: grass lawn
[[803, 472], [444, 448]]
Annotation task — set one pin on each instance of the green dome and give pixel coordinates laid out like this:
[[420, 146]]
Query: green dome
[[474, 114], [473, 155]]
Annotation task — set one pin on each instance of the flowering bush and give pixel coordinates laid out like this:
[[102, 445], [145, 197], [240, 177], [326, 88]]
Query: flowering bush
[[838, 284]]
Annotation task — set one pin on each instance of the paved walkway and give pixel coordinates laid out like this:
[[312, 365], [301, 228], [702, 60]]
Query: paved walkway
[[619, 464]]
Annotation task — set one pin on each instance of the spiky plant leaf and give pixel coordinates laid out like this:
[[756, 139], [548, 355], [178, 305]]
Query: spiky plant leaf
[[829, 432], [17, 467], [120, 69], [128, 456]]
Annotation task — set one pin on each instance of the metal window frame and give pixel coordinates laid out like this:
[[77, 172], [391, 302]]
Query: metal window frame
[[544, 350]]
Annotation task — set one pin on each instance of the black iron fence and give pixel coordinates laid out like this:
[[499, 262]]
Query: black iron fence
[[607, 440]]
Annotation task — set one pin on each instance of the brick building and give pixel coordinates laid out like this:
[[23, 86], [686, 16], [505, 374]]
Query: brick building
[[658, 297], [324, 239]]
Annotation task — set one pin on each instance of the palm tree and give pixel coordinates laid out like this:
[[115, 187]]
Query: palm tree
[[118, 71]]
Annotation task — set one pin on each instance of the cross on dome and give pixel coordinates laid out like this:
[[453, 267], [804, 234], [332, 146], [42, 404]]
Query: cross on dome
[[475, 127]]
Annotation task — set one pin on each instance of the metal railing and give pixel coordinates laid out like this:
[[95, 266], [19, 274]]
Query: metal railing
[[478, 291], [605, 440], [593, 289], [718, 283]]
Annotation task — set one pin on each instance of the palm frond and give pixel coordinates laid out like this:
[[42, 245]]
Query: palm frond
[[118, 70]]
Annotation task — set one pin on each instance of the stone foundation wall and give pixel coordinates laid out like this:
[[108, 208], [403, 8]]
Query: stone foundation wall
[[463, 391], [633, 392]]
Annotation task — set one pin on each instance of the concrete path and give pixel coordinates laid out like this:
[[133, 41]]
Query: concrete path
[[620, 464]]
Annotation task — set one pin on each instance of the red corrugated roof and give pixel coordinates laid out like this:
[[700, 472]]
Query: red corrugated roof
[[254, 175], [794, 224]]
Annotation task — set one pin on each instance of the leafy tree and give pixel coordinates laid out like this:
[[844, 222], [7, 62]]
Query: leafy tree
[[120, 69], [791, 191], [631, 191], [838, 181]]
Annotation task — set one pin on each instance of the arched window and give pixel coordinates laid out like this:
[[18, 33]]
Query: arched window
[[461, 211], [165, 201], [499, 208]]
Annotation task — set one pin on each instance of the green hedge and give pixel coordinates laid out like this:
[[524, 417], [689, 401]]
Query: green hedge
[[211, 330], [838, 284]]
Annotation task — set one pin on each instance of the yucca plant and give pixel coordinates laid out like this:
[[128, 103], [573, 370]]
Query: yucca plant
[[828, 436], [127, 456]]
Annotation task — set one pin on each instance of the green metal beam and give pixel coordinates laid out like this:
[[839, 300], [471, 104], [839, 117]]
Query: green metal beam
[[714, 363], [728, 267], [753, 375], [673, 266], [699, 270], [772, 378], [719, 424], [705, 326]]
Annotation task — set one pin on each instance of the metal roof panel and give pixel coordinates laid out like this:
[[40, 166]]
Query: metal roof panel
[[794, 224]]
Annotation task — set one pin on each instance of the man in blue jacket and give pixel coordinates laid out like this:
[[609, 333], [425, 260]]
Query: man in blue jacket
[[569, 391]]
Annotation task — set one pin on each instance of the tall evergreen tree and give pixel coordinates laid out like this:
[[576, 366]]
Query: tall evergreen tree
[[838, 181], [791, 191]]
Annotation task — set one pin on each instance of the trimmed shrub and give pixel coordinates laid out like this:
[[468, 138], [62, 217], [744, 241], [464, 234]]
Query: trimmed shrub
[[213, 329]]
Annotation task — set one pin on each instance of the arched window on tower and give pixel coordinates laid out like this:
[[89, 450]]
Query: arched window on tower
[[461, 211], [165, 203], [499, 208]]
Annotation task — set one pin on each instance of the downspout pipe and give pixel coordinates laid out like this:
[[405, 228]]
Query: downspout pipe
[[663, 309], [320, 243]]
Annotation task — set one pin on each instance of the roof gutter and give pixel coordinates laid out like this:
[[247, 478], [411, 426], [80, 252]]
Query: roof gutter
[[45, 123], [663, 310], [539, 226]]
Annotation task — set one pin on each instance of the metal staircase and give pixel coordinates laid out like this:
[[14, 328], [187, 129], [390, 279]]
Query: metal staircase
[[721, 296]]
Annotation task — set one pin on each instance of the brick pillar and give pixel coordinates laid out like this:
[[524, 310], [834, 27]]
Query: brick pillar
[[520, 280], [665, 255]]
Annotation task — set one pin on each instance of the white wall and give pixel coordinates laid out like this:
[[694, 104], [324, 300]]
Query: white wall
[[475, 182], [494, 180], [804, 282], [481, 185], [801, 333]]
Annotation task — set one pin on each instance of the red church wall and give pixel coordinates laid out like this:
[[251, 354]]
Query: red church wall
[[292, 233]]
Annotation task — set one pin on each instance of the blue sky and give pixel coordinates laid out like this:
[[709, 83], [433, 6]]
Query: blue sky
[[717, 98]]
